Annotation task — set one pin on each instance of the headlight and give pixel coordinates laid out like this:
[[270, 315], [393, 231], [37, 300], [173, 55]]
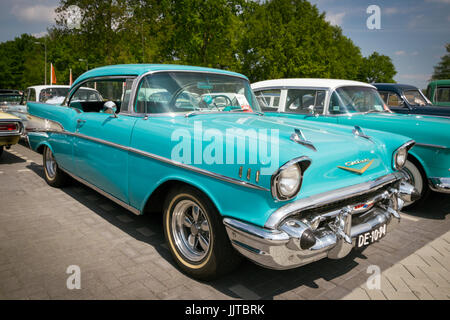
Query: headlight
[[287, 181], [401, 154]]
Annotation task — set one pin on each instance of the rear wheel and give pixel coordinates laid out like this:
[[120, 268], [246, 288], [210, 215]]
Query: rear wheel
[[53, 175], [196, 235], [417, 178]]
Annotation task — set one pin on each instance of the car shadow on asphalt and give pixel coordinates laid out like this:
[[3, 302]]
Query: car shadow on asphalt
[[249, 281], [436, 207], [9, 158]]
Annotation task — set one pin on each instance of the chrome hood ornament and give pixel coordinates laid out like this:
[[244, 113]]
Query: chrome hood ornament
[[299, 138], [357, 131]]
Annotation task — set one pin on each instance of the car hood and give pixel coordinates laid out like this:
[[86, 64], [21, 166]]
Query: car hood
[[270, 136], [423, 129]]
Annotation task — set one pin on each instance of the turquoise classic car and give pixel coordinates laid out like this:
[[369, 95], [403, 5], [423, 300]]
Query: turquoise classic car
[[192, 143], [358, 104]]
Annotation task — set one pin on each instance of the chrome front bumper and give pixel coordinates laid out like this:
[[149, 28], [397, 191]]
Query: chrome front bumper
[[304, 236], [440, 184]]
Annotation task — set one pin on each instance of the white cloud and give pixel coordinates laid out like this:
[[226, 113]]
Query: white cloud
[[35, 13], [400, 53], [39, 34], [335, 19]]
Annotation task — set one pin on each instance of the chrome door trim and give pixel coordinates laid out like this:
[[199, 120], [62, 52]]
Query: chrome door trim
[[165, 160], [431, 145], [104, 193]]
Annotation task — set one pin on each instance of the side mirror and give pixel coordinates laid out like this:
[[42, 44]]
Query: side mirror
[[312, 110], [111, 108]]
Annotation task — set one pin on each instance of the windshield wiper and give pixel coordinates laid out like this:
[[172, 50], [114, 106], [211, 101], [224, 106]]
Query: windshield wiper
[[240, 110]]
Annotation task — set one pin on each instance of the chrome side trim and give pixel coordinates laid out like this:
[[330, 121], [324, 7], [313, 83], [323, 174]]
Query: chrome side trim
[[329, 197], [106, 194], [439, 184], [426, 145], [165, 160]]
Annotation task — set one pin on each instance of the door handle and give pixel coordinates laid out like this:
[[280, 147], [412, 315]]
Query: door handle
[[79, 121]]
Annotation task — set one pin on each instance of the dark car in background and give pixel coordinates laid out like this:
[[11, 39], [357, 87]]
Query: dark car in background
[[8, 96], [404, 98]]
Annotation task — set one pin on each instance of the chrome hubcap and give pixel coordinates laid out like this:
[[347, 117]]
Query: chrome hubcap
[[411, 180], [190, 229], [50, 163]]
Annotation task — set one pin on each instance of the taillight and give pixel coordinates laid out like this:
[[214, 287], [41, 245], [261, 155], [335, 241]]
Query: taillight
[[8, 127]]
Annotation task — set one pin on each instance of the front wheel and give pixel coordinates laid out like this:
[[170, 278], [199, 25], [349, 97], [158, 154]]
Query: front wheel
[[52, 173], [418, 179], [196, 235]]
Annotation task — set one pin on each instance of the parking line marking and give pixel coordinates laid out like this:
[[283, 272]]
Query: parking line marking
[[404, 216], [23, 170]]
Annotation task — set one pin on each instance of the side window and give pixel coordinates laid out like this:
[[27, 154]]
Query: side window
[[152, 98], [31, 95], [394, 100], [92, 95], [300, 100], [384, 95], [269, 100], [443, 94]]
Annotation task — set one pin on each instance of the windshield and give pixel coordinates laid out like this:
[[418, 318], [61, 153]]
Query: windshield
[[53, 95], [184, 92], [356, 99], [10, 98], [414, 97]]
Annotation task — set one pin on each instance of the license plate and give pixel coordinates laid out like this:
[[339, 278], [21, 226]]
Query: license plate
[[371, 236]]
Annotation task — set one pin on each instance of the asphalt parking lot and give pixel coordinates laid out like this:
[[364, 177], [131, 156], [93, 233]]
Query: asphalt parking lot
[[44, 230]]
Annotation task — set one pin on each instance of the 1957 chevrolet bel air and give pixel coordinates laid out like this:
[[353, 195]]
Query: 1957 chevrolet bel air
[[191, 142], [359, 104]]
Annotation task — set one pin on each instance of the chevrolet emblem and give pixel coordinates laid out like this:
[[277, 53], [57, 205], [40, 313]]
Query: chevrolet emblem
[[358, 171]]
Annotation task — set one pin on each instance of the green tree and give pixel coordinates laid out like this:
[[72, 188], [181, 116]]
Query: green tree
[[290, 38], [442, 70], [377, 68], [202, 32]]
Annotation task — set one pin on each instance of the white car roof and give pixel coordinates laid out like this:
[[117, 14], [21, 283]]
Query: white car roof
[[39, 88], [309, 83]]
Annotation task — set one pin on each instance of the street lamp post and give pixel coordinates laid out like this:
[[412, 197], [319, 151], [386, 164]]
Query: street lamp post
[[45, 67]]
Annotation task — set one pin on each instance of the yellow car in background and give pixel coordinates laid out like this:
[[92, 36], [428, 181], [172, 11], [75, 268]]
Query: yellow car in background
[[11, 129]]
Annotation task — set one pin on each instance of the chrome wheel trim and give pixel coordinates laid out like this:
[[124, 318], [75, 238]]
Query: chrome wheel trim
[[414, 178], [50, 163], [191, 230]]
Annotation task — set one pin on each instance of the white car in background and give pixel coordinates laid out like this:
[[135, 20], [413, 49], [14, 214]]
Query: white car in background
[[51, 94]]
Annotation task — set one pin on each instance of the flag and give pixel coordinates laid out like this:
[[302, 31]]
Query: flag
[[70, 78], [52, 74]]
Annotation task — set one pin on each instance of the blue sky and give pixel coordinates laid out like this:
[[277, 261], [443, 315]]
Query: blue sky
[[413, 33]]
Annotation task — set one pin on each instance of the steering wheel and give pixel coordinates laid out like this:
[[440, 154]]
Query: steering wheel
[[228, 100]]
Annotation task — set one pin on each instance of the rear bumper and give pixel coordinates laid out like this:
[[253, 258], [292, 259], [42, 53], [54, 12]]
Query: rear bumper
[[440, 184], [9, 140], [305, 237]]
